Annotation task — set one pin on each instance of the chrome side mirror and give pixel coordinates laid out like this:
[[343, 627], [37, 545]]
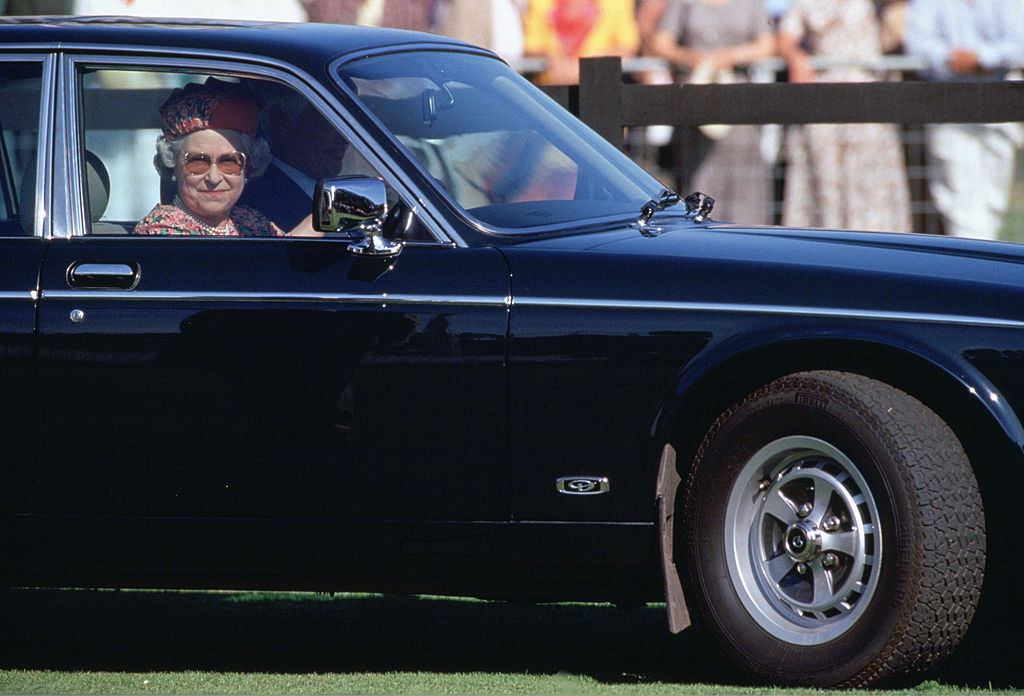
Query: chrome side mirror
[[355, 204]]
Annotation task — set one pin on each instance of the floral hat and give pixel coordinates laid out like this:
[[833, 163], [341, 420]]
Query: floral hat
[[214, 104]]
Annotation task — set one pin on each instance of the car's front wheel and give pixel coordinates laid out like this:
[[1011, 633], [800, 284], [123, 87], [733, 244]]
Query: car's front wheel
[[833, 532]]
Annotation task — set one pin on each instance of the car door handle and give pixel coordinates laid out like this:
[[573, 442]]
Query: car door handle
[[120, 276]]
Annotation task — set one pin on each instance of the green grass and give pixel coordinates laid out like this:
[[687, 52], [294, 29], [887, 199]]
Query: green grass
[[141, 642], [1013, 223], [382, 683]]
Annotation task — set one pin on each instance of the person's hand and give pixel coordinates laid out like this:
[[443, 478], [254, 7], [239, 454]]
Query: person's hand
[[721, 58], [305, 229], [800, 69], [963, 61], [562, 70]]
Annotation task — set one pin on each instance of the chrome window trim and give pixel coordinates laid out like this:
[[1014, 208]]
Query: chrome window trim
[[75, 56], [779, 310], [412, 47], [68, 217], [44, 139]]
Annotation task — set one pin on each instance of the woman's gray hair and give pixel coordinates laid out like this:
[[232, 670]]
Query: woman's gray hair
[[257, 154]]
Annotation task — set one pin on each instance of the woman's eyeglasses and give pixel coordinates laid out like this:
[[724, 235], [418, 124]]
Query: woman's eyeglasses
[[231, 164]]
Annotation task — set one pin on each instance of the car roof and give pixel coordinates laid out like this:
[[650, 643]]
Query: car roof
[[310, 45]]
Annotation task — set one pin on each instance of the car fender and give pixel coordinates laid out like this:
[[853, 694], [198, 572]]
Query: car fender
[[694, 378], [734, 348]]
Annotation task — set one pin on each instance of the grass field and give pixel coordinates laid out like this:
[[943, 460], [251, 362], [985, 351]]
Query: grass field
[[1013, 223], [114, 642]]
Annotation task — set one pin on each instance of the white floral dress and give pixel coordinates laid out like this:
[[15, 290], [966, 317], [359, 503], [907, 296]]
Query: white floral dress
[[843, 175]]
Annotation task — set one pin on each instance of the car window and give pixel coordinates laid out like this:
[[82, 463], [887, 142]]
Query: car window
[[129, 179], [20, 88], [501, 150]]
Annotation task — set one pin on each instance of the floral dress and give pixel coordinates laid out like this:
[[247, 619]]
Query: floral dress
[[843, 175], [175, 219]]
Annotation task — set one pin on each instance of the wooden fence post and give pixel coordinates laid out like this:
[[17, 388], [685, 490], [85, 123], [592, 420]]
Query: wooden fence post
[[600, 97]]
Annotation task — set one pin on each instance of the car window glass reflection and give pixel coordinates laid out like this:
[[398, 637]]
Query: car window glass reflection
[[499, 149], [156, 144], [19, 133]]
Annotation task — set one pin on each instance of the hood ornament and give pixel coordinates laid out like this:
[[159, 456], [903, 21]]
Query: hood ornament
[[698, 207], [663, 200]]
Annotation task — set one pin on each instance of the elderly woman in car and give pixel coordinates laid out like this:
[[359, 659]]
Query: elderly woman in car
[[209, 149]]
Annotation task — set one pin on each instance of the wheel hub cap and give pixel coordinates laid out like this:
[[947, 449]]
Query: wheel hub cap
[[804, 540]]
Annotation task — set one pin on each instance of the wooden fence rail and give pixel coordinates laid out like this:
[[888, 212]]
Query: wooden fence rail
[[607, 104]]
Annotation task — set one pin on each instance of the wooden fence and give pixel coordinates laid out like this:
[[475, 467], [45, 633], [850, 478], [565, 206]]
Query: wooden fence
[[609, 104]]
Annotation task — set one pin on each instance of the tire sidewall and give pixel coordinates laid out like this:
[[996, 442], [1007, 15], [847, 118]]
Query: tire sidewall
[[759, 421]]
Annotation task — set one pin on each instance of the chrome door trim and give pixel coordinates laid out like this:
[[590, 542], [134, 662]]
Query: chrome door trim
[[385, 299], [381, 299], [32, 295], [780, 310]]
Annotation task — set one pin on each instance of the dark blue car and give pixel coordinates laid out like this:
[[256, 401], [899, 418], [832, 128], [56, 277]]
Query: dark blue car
[[502, 361]]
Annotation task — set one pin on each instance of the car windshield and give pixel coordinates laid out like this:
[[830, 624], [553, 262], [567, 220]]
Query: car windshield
[[505, 153]]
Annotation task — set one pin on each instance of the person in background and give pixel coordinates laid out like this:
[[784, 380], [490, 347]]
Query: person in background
[[892, 17], [563, 31], [970, 165], [494, 24], [648, 14], [835, 171], [304, 146], [776, 9], [259, 10], [37, 7], [710, 40], [650, 145], [416, 15]]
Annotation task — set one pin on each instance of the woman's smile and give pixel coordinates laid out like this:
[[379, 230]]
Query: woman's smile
[[211, 195]]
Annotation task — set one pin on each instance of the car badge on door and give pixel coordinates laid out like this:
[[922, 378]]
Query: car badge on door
[[582, 485]]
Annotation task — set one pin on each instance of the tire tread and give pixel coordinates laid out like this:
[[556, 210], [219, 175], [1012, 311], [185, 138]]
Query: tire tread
[[947, 568]]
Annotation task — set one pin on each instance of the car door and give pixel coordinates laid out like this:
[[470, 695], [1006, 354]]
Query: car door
[[21, 131], [257, 403]]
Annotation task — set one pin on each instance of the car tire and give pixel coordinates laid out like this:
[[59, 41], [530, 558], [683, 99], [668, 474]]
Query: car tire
[[833, 532]]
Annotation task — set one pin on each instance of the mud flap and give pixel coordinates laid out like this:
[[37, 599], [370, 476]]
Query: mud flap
[[667, 489]]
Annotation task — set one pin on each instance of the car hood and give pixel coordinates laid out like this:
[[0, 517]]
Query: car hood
[[806, 268], [675, 238]]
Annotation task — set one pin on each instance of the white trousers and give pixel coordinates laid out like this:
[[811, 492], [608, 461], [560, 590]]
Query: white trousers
[[970, 172]]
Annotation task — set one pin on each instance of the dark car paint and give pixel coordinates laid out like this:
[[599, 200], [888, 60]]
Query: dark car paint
[[194, 431], [759, 301], [19, 269]]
